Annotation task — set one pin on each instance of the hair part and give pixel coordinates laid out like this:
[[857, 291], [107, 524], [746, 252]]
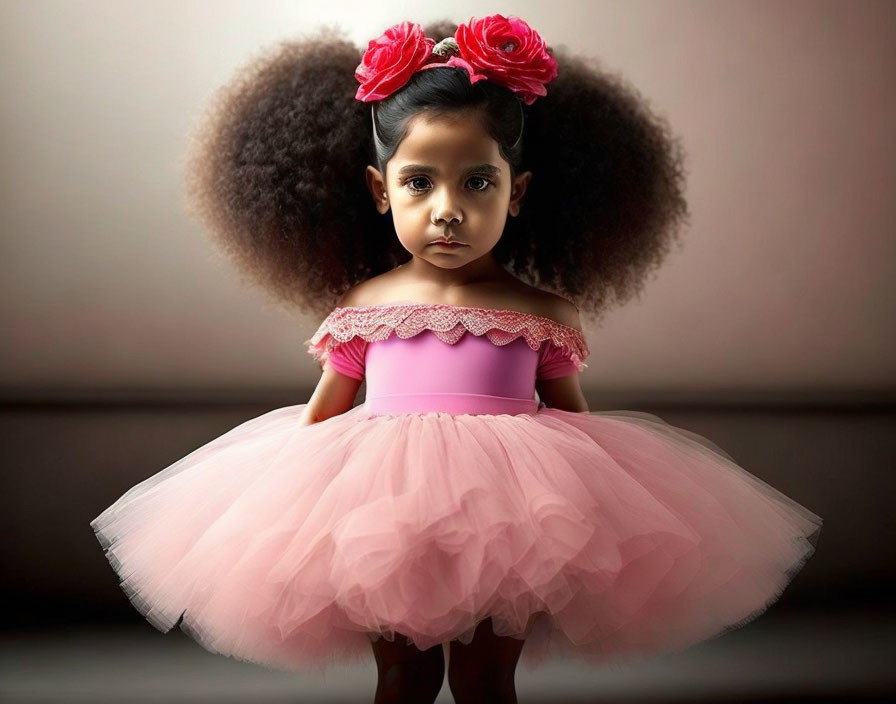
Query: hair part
[[446, 91]]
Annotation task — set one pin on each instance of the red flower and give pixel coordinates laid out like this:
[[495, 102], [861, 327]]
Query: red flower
[[391, 59], [508, 51]]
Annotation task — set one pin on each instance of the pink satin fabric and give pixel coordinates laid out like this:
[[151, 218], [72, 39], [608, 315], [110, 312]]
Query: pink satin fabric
[[423, 373], [473, 376]]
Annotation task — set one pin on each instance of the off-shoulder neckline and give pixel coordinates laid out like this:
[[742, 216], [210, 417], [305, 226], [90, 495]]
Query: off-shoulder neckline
[[400, 304]]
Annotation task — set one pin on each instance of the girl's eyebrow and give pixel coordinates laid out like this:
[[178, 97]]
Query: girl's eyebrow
[[490, 169]]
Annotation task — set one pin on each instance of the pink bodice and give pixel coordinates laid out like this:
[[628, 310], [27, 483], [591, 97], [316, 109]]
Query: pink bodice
[[419, 357]]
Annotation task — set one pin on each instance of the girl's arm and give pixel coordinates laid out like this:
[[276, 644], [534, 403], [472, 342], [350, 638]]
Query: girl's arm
[[335, 394], [563, 393]]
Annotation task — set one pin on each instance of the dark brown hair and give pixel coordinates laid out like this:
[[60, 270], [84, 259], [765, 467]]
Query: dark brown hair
[[275, 171]]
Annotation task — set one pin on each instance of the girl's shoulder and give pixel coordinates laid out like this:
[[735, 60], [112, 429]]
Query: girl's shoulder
[[514, 295], [383, 305]]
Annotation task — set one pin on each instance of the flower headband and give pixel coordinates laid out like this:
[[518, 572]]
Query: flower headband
[[504, 50]]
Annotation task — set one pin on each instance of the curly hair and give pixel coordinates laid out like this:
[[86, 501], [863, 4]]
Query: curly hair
[[275, 171]]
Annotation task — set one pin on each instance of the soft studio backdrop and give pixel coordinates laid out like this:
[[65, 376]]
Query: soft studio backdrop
[[128, 340]]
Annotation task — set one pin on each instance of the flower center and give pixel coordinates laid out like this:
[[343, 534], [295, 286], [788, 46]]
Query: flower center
[[508, 46]]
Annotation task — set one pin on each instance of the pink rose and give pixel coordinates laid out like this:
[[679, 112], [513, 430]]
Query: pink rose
[[508, 51], [391, 60]]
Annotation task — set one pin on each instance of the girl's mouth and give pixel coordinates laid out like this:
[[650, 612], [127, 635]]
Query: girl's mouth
[[449, 245]]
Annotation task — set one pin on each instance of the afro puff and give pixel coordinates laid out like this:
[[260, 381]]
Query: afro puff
[[275, 172]]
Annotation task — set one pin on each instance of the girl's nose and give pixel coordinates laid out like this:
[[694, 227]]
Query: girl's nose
[[445, 207], [446, 210]]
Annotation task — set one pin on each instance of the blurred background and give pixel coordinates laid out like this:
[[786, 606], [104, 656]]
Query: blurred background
[[128, 341]]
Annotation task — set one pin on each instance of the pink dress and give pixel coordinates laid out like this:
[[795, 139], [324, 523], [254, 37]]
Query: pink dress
[[451, 495]]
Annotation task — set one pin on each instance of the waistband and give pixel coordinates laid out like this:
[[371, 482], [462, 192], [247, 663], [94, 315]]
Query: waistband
[[454, 403]]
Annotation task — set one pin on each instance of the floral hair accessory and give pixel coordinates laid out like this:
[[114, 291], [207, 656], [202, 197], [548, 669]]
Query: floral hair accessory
[[503, 50], [391, 59]]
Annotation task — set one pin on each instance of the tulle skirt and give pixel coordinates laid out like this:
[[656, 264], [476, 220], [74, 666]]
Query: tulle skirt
[[606, 536]]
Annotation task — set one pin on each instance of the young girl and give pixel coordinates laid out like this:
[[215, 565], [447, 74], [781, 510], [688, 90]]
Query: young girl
[[508, 188]]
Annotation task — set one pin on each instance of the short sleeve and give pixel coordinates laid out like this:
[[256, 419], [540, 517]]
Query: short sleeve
[[554, 361], [348, 357]]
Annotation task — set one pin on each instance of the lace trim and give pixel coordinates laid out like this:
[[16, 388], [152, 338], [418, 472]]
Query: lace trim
[[448, 322]]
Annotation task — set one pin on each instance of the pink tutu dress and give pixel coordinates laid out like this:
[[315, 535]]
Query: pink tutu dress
[[449, 496]]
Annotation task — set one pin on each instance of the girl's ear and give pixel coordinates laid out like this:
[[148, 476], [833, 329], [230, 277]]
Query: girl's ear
[[517, 193], [377, 185]]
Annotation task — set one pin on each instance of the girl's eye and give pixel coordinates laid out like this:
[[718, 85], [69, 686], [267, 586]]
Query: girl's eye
[[485, 183], [413, 188]]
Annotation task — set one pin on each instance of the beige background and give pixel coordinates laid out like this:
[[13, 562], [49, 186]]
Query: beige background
[[785, 282], [128, 342]]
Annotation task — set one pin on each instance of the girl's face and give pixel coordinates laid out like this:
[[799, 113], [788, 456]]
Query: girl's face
[[447, 179]]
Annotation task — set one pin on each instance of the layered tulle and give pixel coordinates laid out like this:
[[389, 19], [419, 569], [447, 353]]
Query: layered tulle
[[606, 536]]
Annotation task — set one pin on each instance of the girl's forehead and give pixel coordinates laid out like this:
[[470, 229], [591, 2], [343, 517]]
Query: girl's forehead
[[447, 140]]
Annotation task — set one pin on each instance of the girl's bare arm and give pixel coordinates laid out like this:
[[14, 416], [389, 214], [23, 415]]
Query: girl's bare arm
[[335, 394], [564, 393]]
